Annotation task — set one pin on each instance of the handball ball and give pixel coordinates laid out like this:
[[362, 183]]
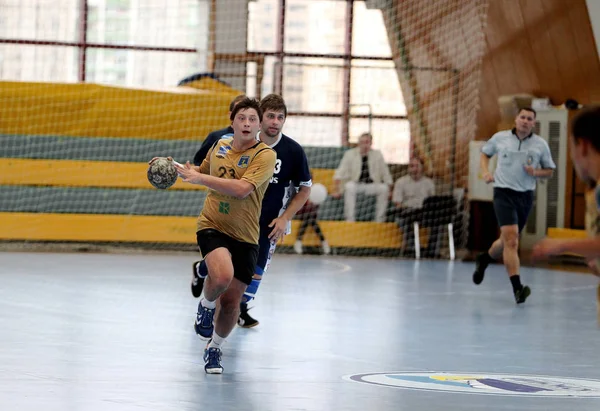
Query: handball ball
[[162, 173], [318, 193]]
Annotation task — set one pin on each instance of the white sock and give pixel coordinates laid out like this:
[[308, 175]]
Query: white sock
[[207, 304], [216, 341]]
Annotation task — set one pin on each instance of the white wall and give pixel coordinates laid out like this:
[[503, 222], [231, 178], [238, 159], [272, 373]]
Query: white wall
[[594, 12]]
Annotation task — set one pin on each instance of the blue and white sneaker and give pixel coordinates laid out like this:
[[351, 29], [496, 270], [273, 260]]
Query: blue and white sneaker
[[204, 321], [212, 361]]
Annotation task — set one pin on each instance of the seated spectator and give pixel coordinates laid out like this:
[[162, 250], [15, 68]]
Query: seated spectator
[[308, 214], [409, 193], [363, 170]]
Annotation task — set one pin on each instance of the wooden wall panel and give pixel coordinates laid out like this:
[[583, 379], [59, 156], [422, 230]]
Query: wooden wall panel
[[500, 47], [541, 47]]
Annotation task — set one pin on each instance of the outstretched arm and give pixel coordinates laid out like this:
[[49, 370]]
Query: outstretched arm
[[589, 248], [280, 223], [232, 187]]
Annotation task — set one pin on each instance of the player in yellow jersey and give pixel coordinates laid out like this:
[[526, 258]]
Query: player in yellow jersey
[[236, 171]]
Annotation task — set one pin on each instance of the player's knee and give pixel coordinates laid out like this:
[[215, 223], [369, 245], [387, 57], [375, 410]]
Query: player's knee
[[219, 266], [221, 279], [510, 240], [350, 187]]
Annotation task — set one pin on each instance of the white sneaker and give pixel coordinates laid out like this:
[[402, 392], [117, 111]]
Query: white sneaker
[[326, 248], [298, 247]]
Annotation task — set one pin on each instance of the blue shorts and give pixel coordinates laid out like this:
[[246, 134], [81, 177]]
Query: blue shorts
[[266, 248]]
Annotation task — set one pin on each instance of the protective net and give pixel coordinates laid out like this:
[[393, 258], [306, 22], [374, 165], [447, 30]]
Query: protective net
[[93, 89]]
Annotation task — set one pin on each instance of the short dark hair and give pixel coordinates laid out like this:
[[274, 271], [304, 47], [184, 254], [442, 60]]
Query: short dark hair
[[586, 126], [273, 102], [418, 158], [530, 110], [245, 104], [366, 134], [235, 101]]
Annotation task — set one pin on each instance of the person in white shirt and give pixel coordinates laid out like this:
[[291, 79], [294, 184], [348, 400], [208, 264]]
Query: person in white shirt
[[409, 193], [363, 170]]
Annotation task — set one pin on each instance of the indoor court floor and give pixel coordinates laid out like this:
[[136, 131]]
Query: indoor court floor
[[114, 332]]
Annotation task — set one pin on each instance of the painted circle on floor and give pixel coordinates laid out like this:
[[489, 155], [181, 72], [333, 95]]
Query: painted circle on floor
[[485, 383]]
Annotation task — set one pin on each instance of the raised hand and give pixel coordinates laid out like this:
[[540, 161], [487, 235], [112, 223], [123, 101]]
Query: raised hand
[[188, 173]]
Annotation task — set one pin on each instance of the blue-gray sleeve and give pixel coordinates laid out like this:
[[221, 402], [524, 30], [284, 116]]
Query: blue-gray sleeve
[[546, 159], [205, 148], [490, 147]]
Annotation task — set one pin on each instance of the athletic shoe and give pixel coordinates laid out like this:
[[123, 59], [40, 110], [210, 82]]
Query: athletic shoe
[[522, 294], [481, 264], [245, 320], [204, 321], [212, 361], [298, 247], [326, 248]]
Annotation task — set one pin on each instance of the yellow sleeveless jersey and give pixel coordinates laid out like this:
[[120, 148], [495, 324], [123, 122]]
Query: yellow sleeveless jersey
[[592, 219], [592, 226], [237, 218]]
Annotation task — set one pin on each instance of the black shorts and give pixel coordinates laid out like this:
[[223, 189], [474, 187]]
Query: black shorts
[[512, 207], [243, 255]]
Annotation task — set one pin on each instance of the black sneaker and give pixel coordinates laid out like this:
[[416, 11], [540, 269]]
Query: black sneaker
[[522, 294], [481, 264], [197, 281], [244, 320]]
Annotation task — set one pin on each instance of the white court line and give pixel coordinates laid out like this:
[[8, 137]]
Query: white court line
[[496, 291], [343, 268]]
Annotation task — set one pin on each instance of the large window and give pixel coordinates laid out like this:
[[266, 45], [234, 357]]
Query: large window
[[314, 131], [263, 18], [27, 62], [158, 23], [376, 87], [316, 83], [149, 23], [136, 68], [333, 93], [40, 20], [370, 37]]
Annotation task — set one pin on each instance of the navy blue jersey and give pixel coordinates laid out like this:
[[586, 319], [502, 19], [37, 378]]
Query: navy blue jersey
[[291, 172], [209, 141]]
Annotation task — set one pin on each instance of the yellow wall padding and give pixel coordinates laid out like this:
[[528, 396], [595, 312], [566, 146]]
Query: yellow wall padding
[[71, 173], [325, 177], [123, 228], [92, 110], [566, 233], [106, 174]]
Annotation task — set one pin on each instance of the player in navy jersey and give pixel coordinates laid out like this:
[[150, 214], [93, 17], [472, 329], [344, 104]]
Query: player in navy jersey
[[288, 190], [216, 135]]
